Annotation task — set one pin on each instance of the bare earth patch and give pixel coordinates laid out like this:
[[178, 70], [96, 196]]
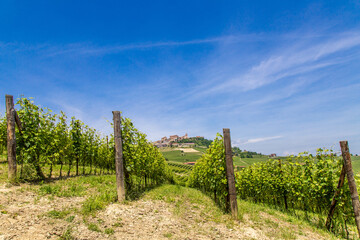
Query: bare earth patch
[[187, 150]]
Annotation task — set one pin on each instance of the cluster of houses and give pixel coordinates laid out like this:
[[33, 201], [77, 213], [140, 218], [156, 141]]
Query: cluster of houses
[[173, 141]]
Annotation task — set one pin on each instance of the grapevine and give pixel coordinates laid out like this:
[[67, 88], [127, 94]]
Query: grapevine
[[50, 140]]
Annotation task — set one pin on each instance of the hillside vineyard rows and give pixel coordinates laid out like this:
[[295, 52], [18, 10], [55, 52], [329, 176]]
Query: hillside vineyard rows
[[48, 142], [51, 146]]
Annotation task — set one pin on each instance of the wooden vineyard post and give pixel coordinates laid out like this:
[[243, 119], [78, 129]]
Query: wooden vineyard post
[[334, 200], [119, 163], [11, 141], [351, 180], [230, 173]]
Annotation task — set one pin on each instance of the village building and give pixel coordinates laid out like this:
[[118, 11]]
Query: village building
[[174, 138], [174, 144], [166, 142]]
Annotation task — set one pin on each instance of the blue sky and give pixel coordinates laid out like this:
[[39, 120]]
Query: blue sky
[[284, 76]]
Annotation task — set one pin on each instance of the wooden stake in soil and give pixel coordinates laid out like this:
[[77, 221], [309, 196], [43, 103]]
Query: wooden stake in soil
[[11, 141], [119, 163], [334, 200], [18, 122], [351, 180], [230, 173]]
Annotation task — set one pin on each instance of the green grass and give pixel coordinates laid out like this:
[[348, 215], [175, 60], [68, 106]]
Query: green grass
[[109, 231], [274, 223], [58, 214], [99, 191], [248, 161], [184, 199], [99, 201], [178, 156], [71, 189], [94, 227], [67, 235], [3, 171], [201, 149], [70, 218], [356, 164]]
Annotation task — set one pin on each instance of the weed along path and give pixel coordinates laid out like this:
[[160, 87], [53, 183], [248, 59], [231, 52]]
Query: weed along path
[[77, 209]]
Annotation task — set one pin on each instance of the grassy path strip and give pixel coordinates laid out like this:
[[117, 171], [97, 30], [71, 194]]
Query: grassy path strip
[[59, 211]]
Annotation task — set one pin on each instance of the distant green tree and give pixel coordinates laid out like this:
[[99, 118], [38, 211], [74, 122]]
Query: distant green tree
[[238, 152], [198, 141]]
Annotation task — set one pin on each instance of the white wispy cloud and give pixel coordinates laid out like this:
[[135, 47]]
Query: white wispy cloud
[[284, 89], [288, 60], [261, 139], [85, 48], [240, 142]]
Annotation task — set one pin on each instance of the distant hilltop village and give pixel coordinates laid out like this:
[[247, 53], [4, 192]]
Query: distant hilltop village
[[175, 141]]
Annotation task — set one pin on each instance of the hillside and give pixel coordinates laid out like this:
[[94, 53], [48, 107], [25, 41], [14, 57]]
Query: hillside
[[58, 211], [84, 207], [356, 163], [182, 155]]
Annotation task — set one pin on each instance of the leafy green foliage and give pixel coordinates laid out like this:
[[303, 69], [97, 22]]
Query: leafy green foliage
[[305, 183], [181, 172], [209, 174], [197, 140], [244, 154], [48, 140], [143, 163], [3, 134]]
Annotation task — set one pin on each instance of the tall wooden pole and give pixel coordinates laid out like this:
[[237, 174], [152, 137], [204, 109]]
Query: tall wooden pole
[[230, 173], [351, 180], [119, 163], [11, 141]]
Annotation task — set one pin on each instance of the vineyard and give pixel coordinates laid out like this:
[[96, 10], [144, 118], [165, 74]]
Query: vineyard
[[52, 147], [302, 185], [181, 172]]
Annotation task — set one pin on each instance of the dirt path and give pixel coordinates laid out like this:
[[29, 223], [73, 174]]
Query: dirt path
[[26, 215]]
